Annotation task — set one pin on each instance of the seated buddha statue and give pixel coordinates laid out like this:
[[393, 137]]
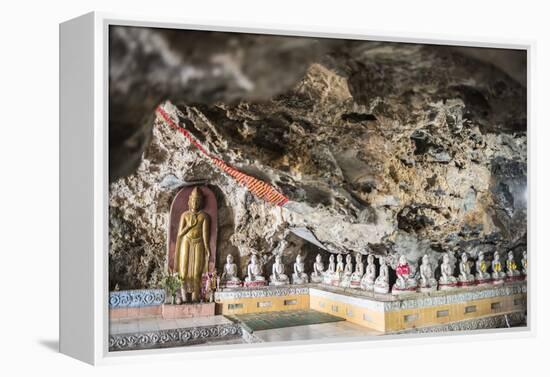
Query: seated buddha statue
[[498, 274], [299, 276], [524, 263], [512, 271], [465, 277], [382, 282], [348, 271], [318, 270], [427, 279], [447, 279], [482, 275], [367, 282], [357, 275], [404, 280], [278, 276], [229, 276], [254, 273], [331, 271], [336, 277]]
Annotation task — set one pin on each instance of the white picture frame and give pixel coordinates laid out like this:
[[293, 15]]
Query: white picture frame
[[84, 322]]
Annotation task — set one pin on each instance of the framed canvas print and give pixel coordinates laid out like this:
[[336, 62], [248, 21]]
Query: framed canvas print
[[227, 188]]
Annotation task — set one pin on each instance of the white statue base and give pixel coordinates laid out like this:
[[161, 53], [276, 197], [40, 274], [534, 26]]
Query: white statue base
[[381, 289], [231, 284], [447, 286], [427, 289], [255, 283], [488, 281], [278, 283]]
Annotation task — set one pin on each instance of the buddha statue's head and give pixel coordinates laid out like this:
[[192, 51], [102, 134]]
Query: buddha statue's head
[[339, 258], [370, 259], [425, 259], [446, 258], [229, 259], [464, 257], [299, 258], [318, 258], [510, 255], [278, 259], [481, 256], [348, 258], [331, 258], [496, 255], [195, 199], [358, 257], [402, 260]]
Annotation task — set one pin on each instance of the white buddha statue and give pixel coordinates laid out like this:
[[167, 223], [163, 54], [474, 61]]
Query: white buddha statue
[[367, 282], [447, 280], [357, 275], [318, 270], [498, 274], [482, 267], [465, 276], [404, 280], [348, 271], [254, 272], [427, 279], [229, 276], [278, 276], [512, 271], [382, 282], [299, 276], [524, 263], [331, 271], [336, 277]]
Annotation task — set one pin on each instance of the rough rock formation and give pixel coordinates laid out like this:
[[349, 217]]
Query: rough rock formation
[[382, 148]]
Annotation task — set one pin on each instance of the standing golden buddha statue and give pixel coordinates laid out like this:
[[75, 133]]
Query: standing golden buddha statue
[[193, 246]]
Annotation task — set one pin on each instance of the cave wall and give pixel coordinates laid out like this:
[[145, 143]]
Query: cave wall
[[382, 148]]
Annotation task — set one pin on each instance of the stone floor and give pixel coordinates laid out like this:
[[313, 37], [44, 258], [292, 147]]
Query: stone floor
[[342, 329]]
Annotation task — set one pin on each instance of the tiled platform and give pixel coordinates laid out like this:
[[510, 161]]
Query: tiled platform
[[134, 325]]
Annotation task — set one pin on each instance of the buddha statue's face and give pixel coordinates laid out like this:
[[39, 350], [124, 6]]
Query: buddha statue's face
[[299, 258], [229, 259], [402, 260], [425, 259], [339, 258], [446, 259], [348, 258], [195, 200], [497, 256], [481, 256], [464, 257], [278, 259], [370, 259], [510, 255], [331, 258], [358, 258], [318, 258], [254, 259]]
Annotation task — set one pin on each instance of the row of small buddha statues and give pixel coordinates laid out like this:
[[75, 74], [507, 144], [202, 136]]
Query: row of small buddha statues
[[346, 275]]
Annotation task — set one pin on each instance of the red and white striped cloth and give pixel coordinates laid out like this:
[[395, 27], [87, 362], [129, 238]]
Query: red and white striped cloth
[[256, 186]]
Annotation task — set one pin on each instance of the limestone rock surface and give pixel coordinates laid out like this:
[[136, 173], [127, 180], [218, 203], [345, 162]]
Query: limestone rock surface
[[382, 148]]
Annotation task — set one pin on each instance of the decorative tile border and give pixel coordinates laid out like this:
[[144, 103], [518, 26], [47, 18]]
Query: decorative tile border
[[173, 337], [136, 298], [453, 297], [239, 293], [492, 322]]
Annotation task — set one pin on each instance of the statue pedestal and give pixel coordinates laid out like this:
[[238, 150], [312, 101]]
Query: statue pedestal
[[515, 278], [254, 284], [188, 310]]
